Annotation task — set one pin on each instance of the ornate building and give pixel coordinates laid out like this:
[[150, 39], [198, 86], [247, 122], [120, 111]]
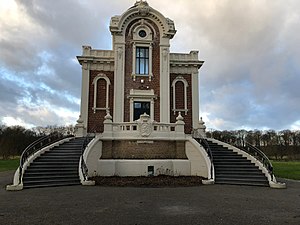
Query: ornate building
[[139, 75], [140, 117]]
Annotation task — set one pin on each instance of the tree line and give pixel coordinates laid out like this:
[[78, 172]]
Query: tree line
[[284, 144], [14, 139]]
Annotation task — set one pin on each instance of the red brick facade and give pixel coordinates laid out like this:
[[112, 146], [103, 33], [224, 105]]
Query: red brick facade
[[95, 119], [129, 83], [179, 90]]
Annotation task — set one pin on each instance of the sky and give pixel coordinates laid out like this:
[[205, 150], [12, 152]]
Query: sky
[[251, 48]]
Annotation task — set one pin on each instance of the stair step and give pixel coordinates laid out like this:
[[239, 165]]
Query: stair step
[[242, 176], [50, 177], [232, 161], [220, 157], [50, 160], [57, 184], [62, 154], [55, 163], [266, 184], [235, 166], [240, 172], [46, 181], [50, 173], [54, 166], [51, 170], [66, 150]]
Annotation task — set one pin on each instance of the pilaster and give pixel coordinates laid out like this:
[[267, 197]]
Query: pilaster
[[118, 113], [85, 95], [195, 99], [164, 84]]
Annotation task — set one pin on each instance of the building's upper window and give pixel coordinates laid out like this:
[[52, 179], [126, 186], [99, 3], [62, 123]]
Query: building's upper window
[[142, 33], [142, 60]]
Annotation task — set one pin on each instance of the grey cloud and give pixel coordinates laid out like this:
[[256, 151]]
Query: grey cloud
[[250, 77], [8, 92]]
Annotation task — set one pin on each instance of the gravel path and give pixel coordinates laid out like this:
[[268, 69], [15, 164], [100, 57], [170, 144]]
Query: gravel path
[[205, 204]]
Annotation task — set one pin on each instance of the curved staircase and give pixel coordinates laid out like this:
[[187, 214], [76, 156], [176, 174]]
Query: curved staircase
[[57, 167], [232, 168]]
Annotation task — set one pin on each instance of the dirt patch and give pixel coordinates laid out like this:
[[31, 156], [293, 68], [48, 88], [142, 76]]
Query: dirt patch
[[155, 181]]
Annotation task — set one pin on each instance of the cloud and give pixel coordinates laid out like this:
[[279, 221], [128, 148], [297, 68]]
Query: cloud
[[250, 78]]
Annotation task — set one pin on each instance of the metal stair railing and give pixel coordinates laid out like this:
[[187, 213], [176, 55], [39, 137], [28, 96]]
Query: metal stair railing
[[36, 146], [259, 155], [85, 143]]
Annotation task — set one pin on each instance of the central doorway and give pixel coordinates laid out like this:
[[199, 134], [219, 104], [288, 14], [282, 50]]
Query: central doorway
[[140, 108]]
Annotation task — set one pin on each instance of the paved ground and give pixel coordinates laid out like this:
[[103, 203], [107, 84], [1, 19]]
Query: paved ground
[[212, 204]]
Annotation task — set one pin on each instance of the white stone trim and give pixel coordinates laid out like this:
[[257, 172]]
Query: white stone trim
[[134, 74], [118, 24], [195, 100], [85, 81], [143, 26], [185, 86], [95, 83], [164, 84], [118, 112]]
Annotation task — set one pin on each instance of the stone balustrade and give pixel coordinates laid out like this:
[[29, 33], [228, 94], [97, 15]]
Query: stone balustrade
[[144, 128]]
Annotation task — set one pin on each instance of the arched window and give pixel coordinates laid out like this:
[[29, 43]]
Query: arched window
[[180, 97], [142, 50], [101, 88]]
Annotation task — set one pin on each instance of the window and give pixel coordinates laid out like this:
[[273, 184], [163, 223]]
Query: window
[[180, 86], [142, 60], [101, 85], [141, 108], [142, 33]]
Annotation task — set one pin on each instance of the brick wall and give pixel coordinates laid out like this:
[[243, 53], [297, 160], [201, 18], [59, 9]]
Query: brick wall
[[143, 150], [180, 101], [95, 120], [129, 83]]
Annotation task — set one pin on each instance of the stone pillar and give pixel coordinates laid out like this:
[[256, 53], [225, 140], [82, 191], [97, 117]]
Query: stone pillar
[[200, 132], [80, 131], [108, 126], [179, 128]]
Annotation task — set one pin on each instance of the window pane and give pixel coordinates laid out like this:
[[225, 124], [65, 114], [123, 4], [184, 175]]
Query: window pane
[[142, 60], [137, 105], [142, 66], [146, 66], [137, 66]]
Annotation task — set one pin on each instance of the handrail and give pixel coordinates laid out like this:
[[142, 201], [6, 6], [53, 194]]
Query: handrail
[[38, 145], [83, 165], [202, 141], [260, 156]]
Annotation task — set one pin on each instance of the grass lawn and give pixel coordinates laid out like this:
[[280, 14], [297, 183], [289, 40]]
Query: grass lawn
[[9, 164], [289, 169]]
